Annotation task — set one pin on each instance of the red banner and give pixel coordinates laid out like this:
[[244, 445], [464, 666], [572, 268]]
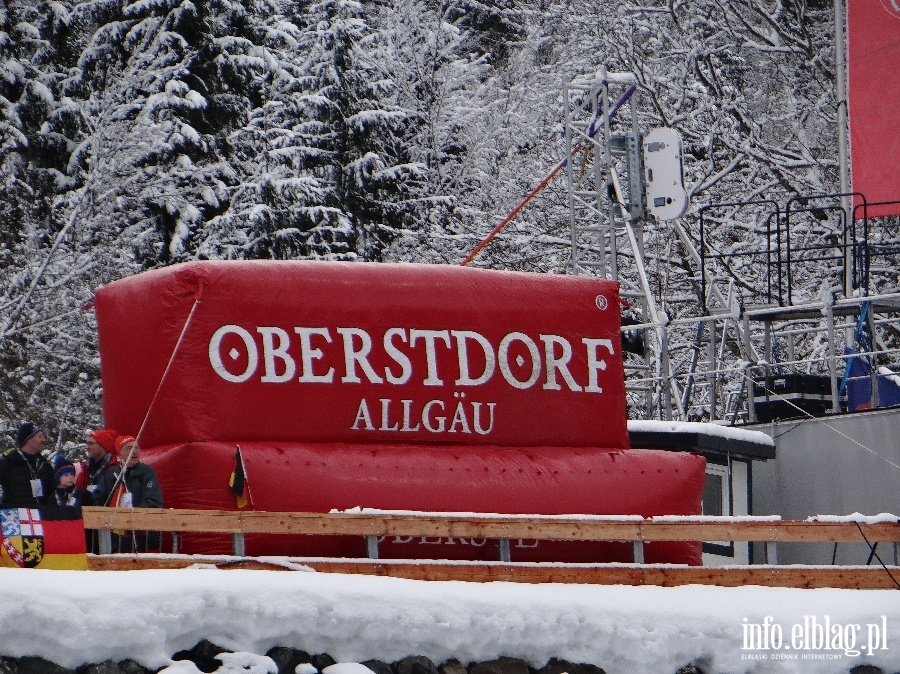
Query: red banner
[[873, 30], [362, 353]]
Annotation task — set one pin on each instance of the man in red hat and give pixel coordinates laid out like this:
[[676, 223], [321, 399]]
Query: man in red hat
[[136, 487], [101, 448]]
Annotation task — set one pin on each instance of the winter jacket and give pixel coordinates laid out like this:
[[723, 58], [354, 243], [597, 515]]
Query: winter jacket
[[140, 481], [90, 472], [71, 496], [17, 470]]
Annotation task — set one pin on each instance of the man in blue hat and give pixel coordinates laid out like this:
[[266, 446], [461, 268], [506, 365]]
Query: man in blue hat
[[26, 477]]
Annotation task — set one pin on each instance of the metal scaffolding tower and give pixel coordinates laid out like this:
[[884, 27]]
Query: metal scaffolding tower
[[752, 327]]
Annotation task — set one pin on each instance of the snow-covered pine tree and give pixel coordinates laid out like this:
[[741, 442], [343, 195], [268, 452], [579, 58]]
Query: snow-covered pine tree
[[273, 204], [355, 129]]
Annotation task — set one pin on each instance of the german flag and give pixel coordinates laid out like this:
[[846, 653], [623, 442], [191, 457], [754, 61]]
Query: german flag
[[238, 482], [49, 537]]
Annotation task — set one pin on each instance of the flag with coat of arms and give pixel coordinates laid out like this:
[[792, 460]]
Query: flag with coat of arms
[[43, 538]]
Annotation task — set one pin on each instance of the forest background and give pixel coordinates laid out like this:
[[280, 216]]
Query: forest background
[[135, 135]]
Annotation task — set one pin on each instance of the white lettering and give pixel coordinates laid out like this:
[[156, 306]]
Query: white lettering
[[561, 364], [308, 354], [477, 418], [280, 352], [215, 357], [354, 357], [407, 404], [595, 364], [462, 353], [385, 426], [503, 355], [362, 414], [430, 336], [518, 357], [399, 357], [459, 417], [426, 416]]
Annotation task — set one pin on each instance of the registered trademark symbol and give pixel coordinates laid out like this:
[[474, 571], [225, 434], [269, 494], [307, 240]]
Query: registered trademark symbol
[[602, 302], [892, 7]]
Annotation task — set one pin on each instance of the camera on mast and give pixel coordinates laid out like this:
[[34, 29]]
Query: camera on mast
[[663, 174]]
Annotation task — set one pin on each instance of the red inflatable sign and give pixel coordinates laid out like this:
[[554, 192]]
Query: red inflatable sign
[[362, 353], [447, 478], [397, 387]]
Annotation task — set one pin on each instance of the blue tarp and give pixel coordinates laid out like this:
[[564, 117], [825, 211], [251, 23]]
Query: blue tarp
[[859, 385]]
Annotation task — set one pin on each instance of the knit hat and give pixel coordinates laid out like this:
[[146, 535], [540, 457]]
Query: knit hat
[[62, 466], [105, 437], [121, 441], [26, 431]]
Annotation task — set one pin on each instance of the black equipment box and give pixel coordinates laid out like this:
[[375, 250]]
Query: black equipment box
[[789, 396]]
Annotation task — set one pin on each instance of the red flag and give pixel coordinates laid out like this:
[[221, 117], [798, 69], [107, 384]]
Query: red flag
[[44, 538], [873, 46], [240, 487]]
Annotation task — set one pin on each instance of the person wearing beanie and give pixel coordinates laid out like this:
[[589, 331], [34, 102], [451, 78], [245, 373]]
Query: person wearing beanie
[[26, 477], [101, 447], [66, 493], [138, 487]]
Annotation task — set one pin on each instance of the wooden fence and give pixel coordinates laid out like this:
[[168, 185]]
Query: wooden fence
[[504, 528]]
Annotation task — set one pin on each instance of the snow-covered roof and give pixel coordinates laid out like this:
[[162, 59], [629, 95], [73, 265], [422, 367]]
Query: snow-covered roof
[[704, 437]]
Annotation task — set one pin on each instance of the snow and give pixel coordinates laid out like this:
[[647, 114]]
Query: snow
[[150, 615], [889, 374], [856, 517], [718, 430]]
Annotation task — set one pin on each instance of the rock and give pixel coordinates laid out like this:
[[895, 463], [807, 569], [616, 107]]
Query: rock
[[415, 664], [452, 666], [105, 667], [322, 660], [866, 669], [558, 666], [378, 666], [690, 669], [131, 667], [203, 655], [34, 665], [287, 659], [502, 665]]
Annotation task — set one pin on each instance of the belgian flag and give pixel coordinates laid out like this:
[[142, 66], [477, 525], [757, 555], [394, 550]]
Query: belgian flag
[[49, 537], [238, 483]]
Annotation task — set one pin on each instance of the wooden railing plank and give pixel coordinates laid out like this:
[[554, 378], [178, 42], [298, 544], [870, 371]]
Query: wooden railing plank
[[452, 526], [619, 574]]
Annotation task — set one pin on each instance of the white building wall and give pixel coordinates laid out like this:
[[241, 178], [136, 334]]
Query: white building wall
[[836, 465]]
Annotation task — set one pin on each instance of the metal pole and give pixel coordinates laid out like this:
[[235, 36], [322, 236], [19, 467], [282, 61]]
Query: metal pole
[[607, 167], [572, 228], [599, 178], [832, 365], [873, 370], [840, 66], [712, 369]]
